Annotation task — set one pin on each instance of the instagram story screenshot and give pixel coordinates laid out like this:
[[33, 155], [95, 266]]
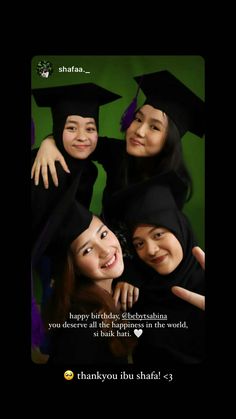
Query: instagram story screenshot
[[117, 288]]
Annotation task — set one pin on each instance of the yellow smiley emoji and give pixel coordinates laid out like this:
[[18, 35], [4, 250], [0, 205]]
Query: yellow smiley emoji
[[68, 375]]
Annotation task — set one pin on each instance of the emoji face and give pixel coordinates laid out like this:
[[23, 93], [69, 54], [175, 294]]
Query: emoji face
[[68, 375]]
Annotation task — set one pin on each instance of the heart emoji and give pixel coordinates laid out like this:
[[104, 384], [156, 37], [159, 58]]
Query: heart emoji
[[138, 332]]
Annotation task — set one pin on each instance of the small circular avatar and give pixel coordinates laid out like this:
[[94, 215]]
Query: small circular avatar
[[44, 69], [68, 375]]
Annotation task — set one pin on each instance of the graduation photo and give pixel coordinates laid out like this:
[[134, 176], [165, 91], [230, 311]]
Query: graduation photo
[[118, 211]]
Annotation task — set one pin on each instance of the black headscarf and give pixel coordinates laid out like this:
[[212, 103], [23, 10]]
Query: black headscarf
[[80, 99], [172, 345], [156, 204], [185, 274]]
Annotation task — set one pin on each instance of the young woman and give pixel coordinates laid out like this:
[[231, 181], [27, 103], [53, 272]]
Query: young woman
[[164, 242], [87, 257], [75, 119], [75, 111]]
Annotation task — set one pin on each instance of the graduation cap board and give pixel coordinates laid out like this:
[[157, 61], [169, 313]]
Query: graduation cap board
[[76, 221], [153, 202], [165, 92], [66, 222], [79, 99], [140, 201]]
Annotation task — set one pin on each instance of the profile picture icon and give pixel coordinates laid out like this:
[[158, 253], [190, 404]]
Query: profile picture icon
[[44, 69]]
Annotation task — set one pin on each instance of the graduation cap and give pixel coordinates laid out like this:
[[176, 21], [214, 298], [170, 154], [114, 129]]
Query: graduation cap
[[138, 202], [165, 92], [68, 219], [76, 221], [79, 99], [153, 202]]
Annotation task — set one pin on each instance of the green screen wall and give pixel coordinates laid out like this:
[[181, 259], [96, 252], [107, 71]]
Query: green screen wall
[[116, 73]]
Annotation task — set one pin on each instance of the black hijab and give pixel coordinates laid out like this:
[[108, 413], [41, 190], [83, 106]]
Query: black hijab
[[183, 341], [155, 204], [188, 273]]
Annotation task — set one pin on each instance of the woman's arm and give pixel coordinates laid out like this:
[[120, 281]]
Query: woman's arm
[[47, 154], [108, 153]]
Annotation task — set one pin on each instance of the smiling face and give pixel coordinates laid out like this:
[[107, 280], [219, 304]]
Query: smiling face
[[97, 253], [80, 136], [146, 135], [158, 248], [68, 375]]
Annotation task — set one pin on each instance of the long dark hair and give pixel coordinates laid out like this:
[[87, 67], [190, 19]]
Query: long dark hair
[[137, 169], [76, 293]]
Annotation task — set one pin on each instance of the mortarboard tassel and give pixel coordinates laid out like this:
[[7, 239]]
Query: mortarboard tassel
[[128, 114]]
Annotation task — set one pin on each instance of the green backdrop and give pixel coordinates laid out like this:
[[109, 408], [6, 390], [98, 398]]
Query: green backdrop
[[116, 73]]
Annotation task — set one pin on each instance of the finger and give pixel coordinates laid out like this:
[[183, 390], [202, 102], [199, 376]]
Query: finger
[[190, 297], [36, 174], [136, 294], [53, 172], [199, 254], [45, 175], [195, 299], [63, 163], [124, 298], [116, 295], [32, 171], [130, 297]]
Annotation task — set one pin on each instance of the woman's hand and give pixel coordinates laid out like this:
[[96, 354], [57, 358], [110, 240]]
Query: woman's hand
[[47, 154], [127, 293], [189, 296]]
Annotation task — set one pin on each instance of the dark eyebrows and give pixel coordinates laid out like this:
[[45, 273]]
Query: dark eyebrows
[[99, 229], [136, 113], [85, 244], [149, 232], [151, 119], [156, 120]]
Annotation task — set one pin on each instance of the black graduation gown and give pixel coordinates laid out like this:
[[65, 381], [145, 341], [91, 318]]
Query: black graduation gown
[[110, 153], [173, 344]]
